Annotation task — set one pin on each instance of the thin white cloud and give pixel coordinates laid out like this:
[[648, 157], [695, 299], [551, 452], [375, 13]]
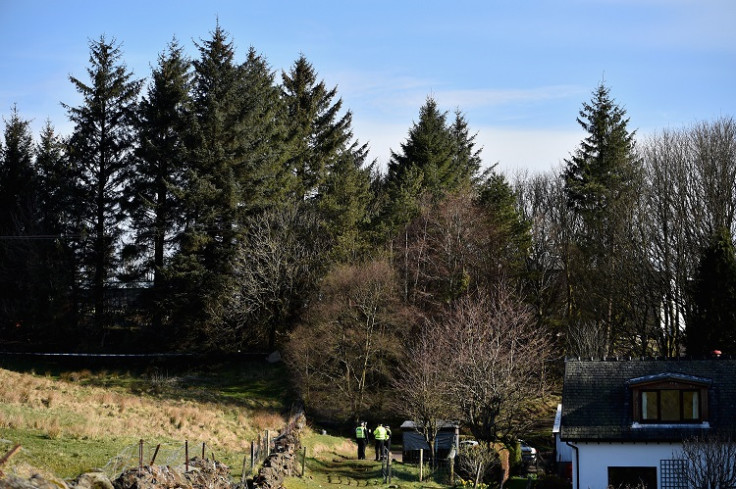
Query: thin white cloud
[[467, 99], [392, 93]]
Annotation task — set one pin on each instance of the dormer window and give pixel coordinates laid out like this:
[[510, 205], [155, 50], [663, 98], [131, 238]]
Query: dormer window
[[670, 406], [669, 399]]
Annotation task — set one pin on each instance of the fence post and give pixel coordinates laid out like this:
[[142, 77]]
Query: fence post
[[452, 471], [186, 455], [389, 467], [268, 444], [203, 449], [140, 455], [304, 457], [153, 459], [242, 473], [253, 456], [7, 456], [421, 464]]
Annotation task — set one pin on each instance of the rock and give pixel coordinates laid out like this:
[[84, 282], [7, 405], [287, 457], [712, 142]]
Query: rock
[[36, 481], [92, 480]]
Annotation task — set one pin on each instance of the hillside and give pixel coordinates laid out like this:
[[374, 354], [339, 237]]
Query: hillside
[[71, 421]]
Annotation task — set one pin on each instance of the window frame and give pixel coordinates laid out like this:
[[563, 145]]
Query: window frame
[[681, 419], [669, 385]]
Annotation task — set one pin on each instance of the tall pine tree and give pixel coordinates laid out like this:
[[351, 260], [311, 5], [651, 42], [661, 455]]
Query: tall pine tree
[[601, 179], [154, 193], [17, 229], [268, 181], [318, 132], [436, 159], [712, 323], [57, 265], [212, 198], [101, 148]]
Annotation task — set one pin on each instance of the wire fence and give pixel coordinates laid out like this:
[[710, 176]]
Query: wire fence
[[141, 454], [171, 454]]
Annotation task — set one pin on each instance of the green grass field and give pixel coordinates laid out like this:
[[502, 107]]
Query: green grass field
[[71, 421]]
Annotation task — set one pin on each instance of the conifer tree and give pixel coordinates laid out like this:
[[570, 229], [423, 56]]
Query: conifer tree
[[601, 179], [467, 158], [154, 192], [268, 181], [57, 264], [347, 206], [212, 208], [712, 325], [436, 159], [429, 150], [17, 228], [318, 132], [101, 148]]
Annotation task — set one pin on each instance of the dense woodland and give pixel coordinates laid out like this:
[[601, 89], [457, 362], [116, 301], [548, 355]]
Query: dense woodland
[[218, 205]]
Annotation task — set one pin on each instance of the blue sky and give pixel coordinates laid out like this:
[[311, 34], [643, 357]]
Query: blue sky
[[519, 69]]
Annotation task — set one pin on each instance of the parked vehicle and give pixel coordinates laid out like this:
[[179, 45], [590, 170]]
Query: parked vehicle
[[528, 452]]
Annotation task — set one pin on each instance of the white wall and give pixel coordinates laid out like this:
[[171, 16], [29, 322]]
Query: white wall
[[595, 458]]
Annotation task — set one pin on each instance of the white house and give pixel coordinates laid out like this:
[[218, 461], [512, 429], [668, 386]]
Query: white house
[[563, 451], [625, 421]]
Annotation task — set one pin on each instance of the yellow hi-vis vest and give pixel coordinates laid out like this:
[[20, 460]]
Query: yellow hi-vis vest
[[359, 432], [380, 433]]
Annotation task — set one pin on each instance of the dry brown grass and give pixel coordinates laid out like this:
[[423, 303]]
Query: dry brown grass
[[63, 407]]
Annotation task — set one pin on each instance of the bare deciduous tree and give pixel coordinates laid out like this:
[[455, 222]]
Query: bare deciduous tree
[[709, 462], [423, 386], [498, 359], [341, 353], [276, 268]]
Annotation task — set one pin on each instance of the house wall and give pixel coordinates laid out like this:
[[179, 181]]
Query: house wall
[[563, 452], [594, 459]]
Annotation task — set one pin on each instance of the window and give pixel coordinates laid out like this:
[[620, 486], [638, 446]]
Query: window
[[669, 398], [621, 477], [670, 406]]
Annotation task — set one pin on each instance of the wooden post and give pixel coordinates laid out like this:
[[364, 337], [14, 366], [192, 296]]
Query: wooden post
[[268, 444], [389, 467], [253, 455], [140, 455], [153, 459], [7, 456], [452, 471], [203, 448], [304, 457], [186, 455], [421, 464], [242, 475]]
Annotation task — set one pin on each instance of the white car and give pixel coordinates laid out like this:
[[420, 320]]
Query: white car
[[528, 452], [468, 443]]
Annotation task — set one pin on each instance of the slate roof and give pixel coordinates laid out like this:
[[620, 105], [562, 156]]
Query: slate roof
[[597, 400]]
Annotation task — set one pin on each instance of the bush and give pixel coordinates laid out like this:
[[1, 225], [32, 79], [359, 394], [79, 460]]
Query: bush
[[515, 464]]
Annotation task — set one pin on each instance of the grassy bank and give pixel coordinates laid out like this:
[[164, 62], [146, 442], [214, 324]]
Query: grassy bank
[[72, 421]]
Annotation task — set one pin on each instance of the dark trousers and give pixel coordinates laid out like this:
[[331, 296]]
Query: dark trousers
[[361, 448], [379, 449]]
